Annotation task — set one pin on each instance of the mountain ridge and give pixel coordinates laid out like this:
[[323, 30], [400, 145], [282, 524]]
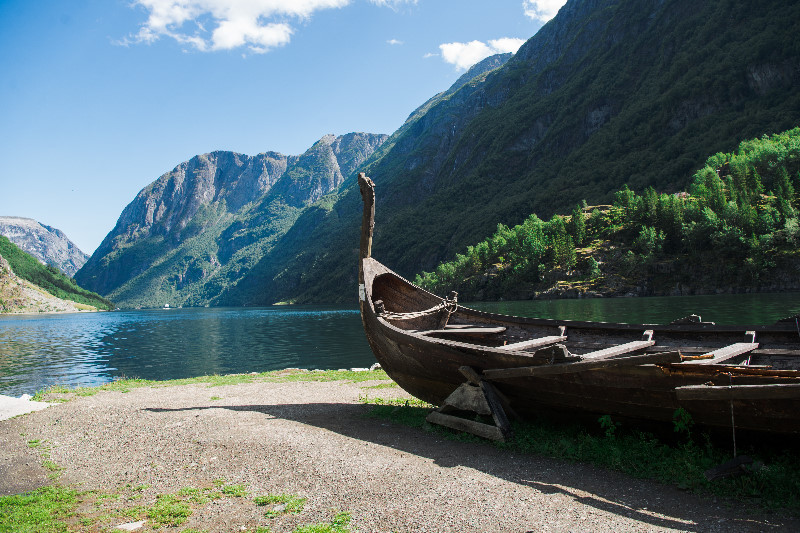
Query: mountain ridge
[[191, 231], [49, 245]]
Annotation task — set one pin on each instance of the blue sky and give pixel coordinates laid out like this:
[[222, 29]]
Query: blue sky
[[100, 97]]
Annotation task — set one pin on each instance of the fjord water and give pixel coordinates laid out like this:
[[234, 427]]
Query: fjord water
[[93, 348]]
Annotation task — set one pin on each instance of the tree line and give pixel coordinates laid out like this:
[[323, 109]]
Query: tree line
[[741, 206]]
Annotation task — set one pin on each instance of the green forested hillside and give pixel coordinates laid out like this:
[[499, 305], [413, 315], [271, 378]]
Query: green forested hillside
[[736, 228], [608, 93], [48, 277]]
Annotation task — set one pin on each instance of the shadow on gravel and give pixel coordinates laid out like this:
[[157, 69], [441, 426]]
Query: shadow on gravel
[[659, 506]]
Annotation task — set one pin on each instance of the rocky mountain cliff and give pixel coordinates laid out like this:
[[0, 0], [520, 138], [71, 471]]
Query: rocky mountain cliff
[[609, 92], [49, 245], [197, 229]]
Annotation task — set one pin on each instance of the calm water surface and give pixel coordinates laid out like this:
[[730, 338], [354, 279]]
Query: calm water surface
[[728, 309], [94, 348]]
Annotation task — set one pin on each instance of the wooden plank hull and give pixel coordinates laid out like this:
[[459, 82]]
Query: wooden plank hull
[[398, 318], [427, 367]]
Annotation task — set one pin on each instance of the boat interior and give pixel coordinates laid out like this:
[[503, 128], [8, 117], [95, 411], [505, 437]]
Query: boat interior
[[409, 308]]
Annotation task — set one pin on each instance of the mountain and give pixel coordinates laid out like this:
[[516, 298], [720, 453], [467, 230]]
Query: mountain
[[48, 245], [28, 286], [198, 229], [609, 92], [19, 296]]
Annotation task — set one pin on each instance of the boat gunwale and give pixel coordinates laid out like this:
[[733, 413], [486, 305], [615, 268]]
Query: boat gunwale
[[583, 324], [372, 273]]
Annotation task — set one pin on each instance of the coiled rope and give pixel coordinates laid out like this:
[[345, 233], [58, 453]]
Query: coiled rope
[[448, 305]]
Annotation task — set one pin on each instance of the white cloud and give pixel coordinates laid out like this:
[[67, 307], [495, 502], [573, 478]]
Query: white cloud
[[257, 24], [506, 45], [464, 55], [394, 41], [542, 10]]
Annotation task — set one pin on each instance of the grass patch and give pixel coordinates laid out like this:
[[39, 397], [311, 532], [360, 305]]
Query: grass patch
[[339, 524], [56, 393], [51, 466], [411, 412], [391, 385], [678, 460], [195, 495], [169, 511], [58, 509], [43, 510], [236, 491], [281, 504]]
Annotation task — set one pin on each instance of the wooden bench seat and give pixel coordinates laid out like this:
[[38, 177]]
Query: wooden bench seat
[[620, 349], [724, 354], [471, 332], [537, 342], [534, 343]]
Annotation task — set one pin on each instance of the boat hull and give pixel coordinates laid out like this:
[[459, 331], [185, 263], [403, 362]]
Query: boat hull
[[540, 365], [429, 368]]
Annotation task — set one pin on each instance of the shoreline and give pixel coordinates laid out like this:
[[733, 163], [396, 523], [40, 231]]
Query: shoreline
[[38, 313]]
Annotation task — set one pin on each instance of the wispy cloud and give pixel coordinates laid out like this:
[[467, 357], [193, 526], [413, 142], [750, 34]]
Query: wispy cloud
[[208, 25], [542, 10], [464, 55], [394, 41]]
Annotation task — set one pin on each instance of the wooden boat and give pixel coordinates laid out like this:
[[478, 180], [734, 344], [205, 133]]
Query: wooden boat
[[745, 377]]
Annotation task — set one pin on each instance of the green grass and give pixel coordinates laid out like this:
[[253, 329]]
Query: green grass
[[382, 386], [281, 504], [680, 460], [236, 491], [59, 509], [195, 495], [339, 524], [52, 393], [43, 510], [169, 511]]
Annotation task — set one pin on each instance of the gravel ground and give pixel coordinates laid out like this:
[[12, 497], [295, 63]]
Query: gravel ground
[[312, 439]]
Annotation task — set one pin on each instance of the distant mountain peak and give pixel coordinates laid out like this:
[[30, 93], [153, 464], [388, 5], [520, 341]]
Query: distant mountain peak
[[47, 244]]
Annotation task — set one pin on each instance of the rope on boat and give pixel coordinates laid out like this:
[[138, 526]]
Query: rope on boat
[[447, 305]]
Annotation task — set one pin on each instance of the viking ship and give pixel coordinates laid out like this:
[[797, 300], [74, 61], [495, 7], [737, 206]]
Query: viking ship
[[461, 359]]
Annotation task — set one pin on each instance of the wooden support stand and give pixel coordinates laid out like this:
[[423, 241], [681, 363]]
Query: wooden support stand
[[479, 397]]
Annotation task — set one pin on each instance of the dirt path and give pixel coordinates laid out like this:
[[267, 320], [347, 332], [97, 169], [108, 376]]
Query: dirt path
[[311, 439]]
